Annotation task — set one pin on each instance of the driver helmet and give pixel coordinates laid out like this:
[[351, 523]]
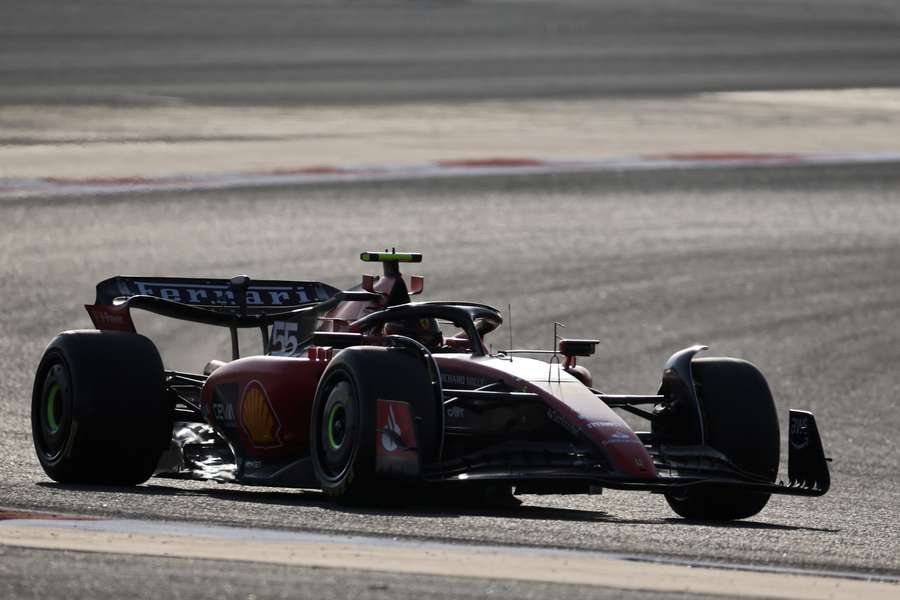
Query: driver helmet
[[425, 331]]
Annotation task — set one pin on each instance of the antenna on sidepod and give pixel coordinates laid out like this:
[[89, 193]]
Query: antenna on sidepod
[[509, 312], [555, 357]]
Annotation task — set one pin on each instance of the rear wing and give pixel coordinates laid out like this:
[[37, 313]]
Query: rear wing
[[260, 297], [235, 303]]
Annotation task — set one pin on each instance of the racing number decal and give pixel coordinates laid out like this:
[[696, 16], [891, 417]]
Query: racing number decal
[[284, 340]]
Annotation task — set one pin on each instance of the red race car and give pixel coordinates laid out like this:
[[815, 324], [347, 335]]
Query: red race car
[[362, 392]]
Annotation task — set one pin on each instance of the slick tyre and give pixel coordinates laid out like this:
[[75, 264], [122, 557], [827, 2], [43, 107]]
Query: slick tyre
[[741, 422], [342, 425], [100, 413]]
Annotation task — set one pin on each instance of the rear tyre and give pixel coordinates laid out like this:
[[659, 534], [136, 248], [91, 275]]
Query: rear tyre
[[99, 408], [741, 422], [342, 425]]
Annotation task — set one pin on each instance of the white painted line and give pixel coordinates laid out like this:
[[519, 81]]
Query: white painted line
[[54, 187], [858, 99], [406, 556]]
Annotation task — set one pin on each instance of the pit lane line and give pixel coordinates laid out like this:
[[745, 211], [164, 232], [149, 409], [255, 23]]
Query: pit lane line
[[196, 541], [498, 166]]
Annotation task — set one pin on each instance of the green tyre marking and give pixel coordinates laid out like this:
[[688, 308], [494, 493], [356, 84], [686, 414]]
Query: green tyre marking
[[51, 406], [334, 445]]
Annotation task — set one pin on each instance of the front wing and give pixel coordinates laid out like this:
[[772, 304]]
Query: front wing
[[557, 468]]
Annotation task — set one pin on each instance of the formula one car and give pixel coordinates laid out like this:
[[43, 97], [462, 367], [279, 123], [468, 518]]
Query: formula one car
[[363, 391]]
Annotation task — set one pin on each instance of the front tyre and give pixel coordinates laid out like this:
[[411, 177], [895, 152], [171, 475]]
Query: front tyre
[[740, 421], [343, 420], [99, 408]]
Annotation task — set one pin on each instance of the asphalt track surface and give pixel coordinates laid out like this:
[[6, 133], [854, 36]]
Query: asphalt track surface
[[294, 52], [23, 575], [793, 269]]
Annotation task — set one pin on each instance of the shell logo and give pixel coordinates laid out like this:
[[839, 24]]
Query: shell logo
[[257, 417]]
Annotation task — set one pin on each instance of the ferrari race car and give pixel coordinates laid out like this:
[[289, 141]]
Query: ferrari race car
[[364, 391]]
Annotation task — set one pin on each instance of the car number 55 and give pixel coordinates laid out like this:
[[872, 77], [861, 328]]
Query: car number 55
[[284, 338]]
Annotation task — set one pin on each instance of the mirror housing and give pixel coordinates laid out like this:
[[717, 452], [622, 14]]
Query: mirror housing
[[571, 348]]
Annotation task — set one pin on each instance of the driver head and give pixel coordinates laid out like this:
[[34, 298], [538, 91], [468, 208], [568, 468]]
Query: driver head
[[425, 331]]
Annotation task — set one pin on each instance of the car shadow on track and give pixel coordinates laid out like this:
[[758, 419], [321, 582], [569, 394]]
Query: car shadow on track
[[543, 513], [139, 490], [428, 507]]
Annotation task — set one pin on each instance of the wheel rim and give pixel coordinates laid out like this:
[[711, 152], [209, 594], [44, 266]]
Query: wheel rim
[[54, 413], [337, 444], [336, 426], [52, 408]]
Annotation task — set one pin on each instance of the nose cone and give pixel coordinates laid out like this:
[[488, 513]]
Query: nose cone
[[584, 411]]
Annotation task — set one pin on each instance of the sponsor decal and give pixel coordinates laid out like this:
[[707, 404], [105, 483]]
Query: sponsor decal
[[799, 431], [619, 434], [395, 443], [457, 379], [391, 433], [603, 425], [108, 318], [222, 294], [222, 406], [456, 412], [223, 411], [620, 438], [258, 418], [561, 421]]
